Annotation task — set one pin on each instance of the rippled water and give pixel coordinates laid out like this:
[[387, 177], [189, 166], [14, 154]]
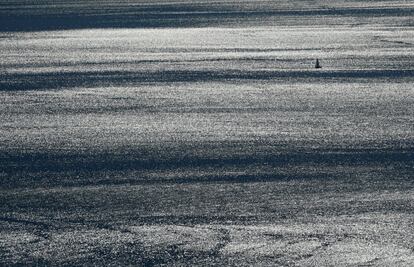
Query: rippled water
[[52, 15], [213, 49], [137, 127], [207, 94]]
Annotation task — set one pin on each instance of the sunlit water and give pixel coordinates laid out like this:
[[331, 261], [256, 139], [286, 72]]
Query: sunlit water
[[213, 141], [205, 94]]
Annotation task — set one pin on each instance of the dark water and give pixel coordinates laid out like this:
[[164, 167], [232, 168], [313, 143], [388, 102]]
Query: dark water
[[52, 15], [199, 133]]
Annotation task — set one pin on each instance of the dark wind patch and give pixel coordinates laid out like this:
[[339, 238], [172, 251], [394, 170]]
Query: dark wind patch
[[58, 80], [28, 20]]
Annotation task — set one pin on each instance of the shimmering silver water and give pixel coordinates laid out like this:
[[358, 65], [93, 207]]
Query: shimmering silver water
[[214, 141]]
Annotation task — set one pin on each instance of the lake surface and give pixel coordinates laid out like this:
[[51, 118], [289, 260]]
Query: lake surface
[[200, 133]]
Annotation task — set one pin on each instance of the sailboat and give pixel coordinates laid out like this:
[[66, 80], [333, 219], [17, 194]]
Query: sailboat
[[317, 64]]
